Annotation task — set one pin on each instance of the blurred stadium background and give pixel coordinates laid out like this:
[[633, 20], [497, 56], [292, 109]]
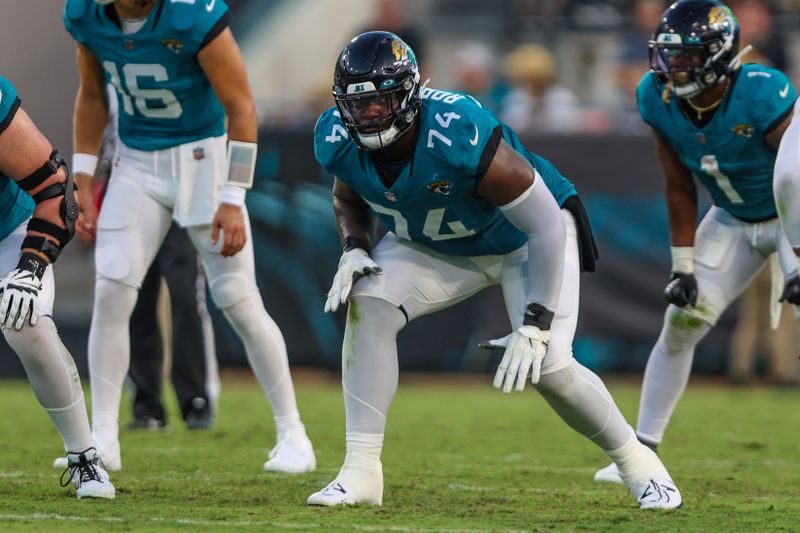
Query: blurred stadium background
[[562, 72]]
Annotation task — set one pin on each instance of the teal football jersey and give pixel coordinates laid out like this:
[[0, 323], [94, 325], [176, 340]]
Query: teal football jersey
[[433, 201], [729, 155], [165, 98], [15, 205]]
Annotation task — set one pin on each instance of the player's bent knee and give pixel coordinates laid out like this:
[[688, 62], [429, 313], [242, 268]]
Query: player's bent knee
[[29, 342], [114, 262], [375, 314], [684, 324], [229, 289], [559, 382]]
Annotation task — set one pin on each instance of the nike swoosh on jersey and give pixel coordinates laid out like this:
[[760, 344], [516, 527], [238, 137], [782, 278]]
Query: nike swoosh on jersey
[[474, 140], [210, 5], [785, 91]]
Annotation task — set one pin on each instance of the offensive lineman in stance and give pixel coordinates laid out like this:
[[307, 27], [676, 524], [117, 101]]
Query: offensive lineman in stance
[[178, 73], [37, 218], [720, 123], [467, 206]]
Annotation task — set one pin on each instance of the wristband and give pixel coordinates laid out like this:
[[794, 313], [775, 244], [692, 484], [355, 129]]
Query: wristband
[[539, 316], [232, 194], [351, 243], [84, 163], [682, 259], [241, 163]]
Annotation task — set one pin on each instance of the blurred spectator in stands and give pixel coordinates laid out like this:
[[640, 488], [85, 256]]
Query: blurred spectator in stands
[[757, 28], [633, 60], [754, 336], [475, 74], [536, 102], [390, 15]]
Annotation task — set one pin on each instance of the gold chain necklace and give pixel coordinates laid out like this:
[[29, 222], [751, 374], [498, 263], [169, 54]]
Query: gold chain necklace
[[700, 110]]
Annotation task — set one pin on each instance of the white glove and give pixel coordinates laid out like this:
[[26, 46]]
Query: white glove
[[353, 264], [525, 352], [496, 344], [20, 299]]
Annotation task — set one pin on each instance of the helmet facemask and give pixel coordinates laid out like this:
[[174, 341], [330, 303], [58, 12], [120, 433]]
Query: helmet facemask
[[376, 117], [690, 69]]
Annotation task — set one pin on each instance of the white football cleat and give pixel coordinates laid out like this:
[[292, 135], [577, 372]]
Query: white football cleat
[[351, 487], [88, 474], [60, 462], [657, 494], [609, 474], [648, 480], [292, 454]]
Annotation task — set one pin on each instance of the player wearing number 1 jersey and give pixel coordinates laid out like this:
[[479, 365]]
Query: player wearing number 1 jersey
[[178, 73], [466, 206], [720, 124]]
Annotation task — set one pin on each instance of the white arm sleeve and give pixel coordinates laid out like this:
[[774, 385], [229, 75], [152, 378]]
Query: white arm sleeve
[[536, 213]]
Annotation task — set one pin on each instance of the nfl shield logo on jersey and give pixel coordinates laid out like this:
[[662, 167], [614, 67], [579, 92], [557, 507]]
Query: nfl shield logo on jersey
[[199, 153], [392, 197]]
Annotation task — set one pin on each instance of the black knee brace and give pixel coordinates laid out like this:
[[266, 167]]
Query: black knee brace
[[68, 210]]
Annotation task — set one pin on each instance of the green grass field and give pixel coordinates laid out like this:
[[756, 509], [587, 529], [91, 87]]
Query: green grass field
[[459, 456]]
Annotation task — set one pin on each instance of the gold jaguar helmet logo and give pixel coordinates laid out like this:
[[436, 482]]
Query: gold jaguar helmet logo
[[399, 50], [719, 15]]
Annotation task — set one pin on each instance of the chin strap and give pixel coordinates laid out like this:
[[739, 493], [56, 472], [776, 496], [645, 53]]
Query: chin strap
[[736, 62]]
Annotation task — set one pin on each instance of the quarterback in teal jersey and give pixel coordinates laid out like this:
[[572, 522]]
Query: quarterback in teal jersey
[[720, 124], [467, 206], [179, 75], [39, 212]]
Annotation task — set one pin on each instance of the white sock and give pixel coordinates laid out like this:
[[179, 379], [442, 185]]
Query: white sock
[[109, 353], [290, 426], [363, 451], [666, 375], [637, 462], [266, 352], [55, 380]]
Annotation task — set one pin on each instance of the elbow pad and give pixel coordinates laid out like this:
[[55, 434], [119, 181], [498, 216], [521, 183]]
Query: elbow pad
[[68, 208]]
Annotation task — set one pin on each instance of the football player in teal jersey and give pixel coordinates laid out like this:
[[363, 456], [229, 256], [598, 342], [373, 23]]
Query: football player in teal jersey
[[720, 124], [466, 206], [179, 75], [38, 212]]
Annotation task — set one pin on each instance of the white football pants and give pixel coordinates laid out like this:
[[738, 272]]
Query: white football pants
[[137, 211], [728, 254]]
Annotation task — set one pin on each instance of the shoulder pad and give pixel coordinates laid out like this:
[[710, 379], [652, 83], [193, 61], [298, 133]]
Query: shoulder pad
[[331, 139], [183, 13], [76, 9], [648, 95], [457, 129]]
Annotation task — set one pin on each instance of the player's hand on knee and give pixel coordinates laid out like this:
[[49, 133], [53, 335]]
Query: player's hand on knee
[[791, 292], [230, 219], [525, 352], [19, 300], [353, 265], [681, 289]]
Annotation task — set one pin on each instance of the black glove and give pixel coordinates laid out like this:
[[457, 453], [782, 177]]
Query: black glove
[[681, 289], [791, 292]]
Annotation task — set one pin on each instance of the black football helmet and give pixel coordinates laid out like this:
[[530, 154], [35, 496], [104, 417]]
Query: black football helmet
[[695, 46], [376, 88]]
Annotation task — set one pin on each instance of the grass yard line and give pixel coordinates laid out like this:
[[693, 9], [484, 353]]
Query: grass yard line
[[241, 523]]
